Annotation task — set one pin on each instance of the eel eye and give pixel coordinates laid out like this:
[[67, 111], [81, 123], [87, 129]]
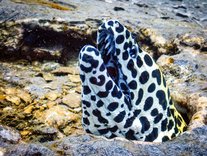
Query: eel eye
[[133, 52]]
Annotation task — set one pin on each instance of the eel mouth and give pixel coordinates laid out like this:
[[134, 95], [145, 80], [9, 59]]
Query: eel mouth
[[105, 42], [107, 49]]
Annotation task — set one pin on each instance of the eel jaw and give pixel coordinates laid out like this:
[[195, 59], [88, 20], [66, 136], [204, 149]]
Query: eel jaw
[[105, 42]]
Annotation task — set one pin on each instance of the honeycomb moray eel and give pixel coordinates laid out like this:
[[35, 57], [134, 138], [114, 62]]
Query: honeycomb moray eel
[[124, 93]]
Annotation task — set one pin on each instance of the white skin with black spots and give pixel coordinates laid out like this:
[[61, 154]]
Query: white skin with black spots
[[124, 93]]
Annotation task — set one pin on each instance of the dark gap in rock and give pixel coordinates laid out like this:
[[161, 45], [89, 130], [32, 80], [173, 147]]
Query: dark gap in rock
[[184, 111], [43, 43]]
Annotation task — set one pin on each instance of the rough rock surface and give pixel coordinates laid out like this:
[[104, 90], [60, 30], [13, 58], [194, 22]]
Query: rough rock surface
[[41, 99]]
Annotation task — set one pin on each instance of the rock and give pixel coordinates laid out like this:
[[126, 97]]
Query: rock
[[57, 116], [141, 5], [16, 95], [45, 130], [66, 70], [29, 109], [13, 99], [7, 109], [50, 66], [183, 14], [118, 9], [25, 96], [78, 89], [29, 149], [48, 77], [74, 78], [158, 43], [182, 6], [192, 41], [52, 95], [2, 151], [8, 134], [10, 91], [25, 133], [51, 104], [204, 47], [72, 100], [195, 144], [187, 80]]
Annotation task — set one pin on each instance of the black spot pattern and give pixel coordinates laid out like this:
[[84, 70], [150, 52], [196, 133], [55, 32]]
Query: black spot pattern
[[127, 34], [102, 67], [103, 94], [151, 88], [168, 112], [139, 62], [126, 46], [86, 113], [120, 39], [123, 86], [148, 60], [109, 85], [145, 124], [156, 74], [130, 67], [90, 49], [129, 105], [113, 129], [132, 95], [95, 125], [168, 93], [103, 131], [158, 118], [113, 106], [93, 80], [152, 136], [170, 125], [130, 135], [148, 103], [89, 59], [82, 77], [93, 97], [162, 99], [118, 51], [86, 103], [111, 23], [116, 93], [101, 119], [164, 82], [178, 121], [154, 112], [119, 118], [86, 121], [165, 138], [137, 112], [129, 122], [133, 84], [99, 103], [86, 90], [140, 96], [144, 77], [164, 125], [120, 28], [122, 67], [125, 55]]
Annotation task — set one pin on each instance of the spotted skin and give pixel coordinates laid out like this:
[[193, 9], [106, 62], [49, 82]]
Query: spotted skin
[[124, 93]]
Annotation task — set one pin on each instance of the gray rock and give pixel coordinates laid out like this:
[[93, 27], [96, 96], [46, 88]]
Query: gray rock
[[189, 143], [8, 134], [49, 66], [29, 149]]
